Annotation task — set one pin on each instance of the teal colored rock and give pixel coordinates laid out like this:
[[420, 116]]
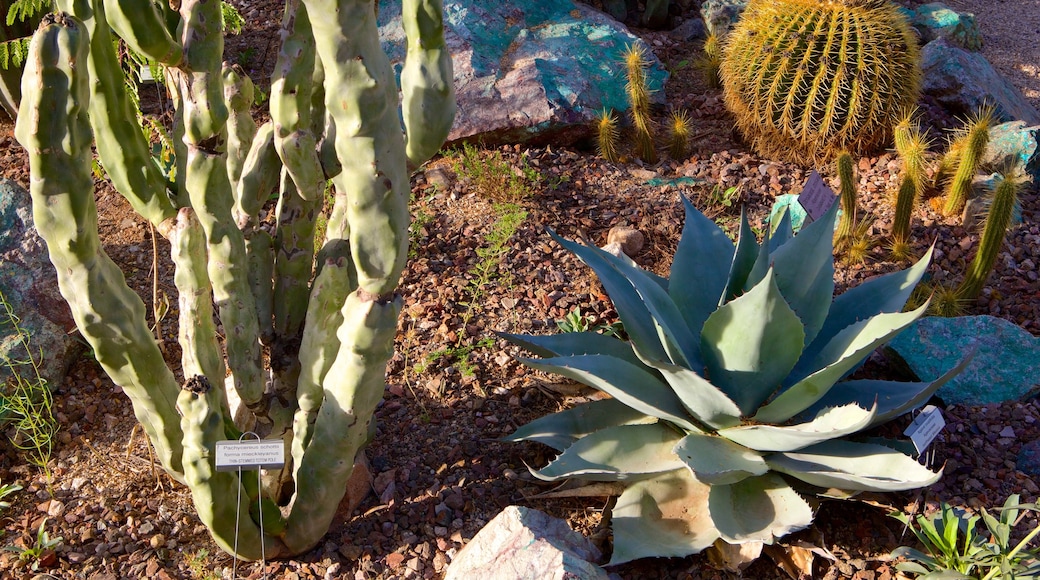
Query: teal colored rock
[[30, 288], [787, 202], [674, 182], [962, 81], [937, 20], [721, 15], [1006, 365], [1014, 144], [530, 71], [1028, 461]]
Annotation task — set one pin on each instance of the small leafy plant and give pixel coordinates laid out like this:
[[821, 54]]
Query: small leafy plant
[[954, 548], [727, 402], [41, 545], [26, 401]]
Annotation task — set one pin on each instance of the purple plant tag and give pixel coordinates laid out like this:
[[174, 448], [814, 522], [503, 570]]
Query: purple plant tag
[[816, 198]]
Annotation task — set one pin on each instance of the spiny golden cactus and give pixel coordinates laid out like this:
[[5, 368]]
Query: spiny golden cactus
[[636, 63], [973, 140], [847, 222], [680, 128], [808, 78], [607, 135], [911, 144]]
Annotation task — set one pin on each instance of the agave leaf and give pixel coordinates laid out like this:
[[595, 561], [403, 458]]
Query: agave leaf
[[830, 423], [743, 260], [854, 466], [560, 430], [782, 233], [616, 454], [762, 264], [804, 269], [717, 461], [844, 352], [651, 319], [664, 516], [751, 343], [758, 509], [700, 267], [701, 398], [893, 398], [630, 307], [887, 293], [574, 343], [679, 342], [624, 381]]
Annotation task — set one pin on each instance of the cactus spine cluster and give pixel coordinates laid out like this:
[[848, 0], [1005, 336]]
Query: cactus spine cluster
[[638, 93], [806, 79], [334, 109]]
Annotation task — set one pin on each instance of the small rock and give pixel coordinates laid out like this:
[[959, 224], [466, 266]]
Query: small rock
[[156, 541], [1007, 432], [536, 545], [629, 239]]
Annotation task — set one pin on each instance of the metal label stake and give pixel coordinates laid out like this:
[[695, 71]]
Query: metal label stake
[[249, 454]]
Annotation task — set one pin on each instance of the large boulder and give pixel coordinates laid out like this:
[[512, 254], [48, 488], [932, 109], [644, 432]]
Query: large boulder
[[523, 543], [532, 71], [722, 15], [1005, 365], [962, 81], [30, 287], [1014, 145], [937, 20]]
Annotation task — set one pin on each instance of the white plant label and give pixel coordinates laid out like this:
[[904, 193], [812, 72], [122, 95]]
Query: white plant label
[[250, 454], [925, 427], [816, 198]]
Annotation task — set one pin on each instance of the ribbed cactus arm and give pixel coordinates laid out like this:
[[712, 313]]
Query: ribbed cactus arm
[[238, 95], [361, 96], [427, 82], [122, 147], [53, 128], [197, 335], [318, 350], [142, 26], [291, 112], [220, 499], [352, 387], [209, 189]]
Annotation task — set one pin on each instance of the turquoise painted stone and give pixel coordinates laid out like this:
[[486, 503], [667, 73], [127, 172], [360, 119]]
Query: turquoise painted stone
[[531, 71], [1014, 144], [1006, 365], [937, 20]]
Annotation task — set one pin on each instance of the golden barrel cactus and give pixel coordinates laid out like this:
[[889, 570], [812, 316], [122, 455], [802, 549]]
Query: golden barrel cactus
[[806, 79]]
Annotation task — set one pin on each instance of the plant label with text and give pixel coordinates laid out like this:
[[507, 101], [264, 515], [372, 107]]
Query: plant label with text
[[250, 454], [925, 427], [816, 198]]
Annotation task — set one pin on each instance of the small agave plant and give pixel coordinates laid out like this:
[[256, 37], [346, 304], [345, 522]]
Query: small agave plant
[[726, 405]]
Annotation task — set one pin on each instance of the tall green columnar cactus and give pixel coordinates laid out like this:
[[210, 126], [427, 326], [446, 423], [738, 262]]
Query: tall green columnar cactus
[[1001, 211], [911, 144], [847, 222], [969, 147], [327, 341], [806, 79]]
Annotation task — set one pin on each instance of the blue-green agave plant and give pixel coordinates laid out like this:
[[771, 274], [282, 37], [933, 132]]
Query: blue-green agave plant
[[727, 402]]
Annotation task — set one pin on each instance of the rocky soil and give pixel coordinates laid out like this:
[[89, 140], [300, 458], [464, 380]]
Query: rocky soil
[[453, 388]]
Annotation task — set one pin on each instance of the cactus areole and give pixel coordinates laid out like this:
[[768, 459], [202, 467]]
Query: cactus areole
[[330, 333], [806, 79]]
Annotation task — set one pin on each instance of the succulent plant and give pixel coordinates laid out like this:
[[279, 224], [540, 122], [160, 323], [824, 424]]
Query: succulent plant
[[726, 405], [967, 149], [806, 79], [998, 220], [330, 332]]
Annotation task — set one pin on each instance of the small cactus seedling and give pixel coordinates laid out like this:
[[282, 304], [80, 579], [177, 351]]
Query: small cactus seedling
[[679, 134], [847, 222], [607, 135], [998, 220], [638, 92], [911, 145], [976, 137], [806, 79], [709, 62]]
